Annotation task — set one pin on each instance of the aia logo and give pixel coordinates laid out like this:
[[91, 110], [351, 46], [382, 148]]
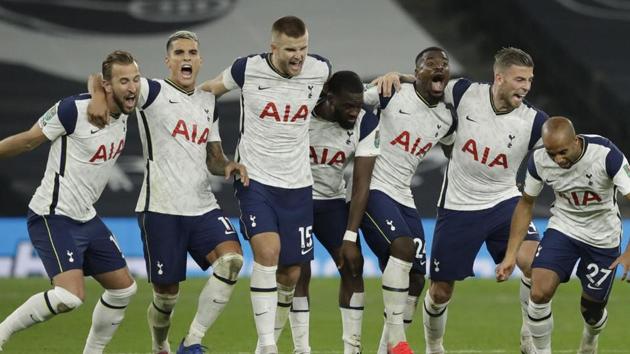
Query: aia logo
[[498, 160], [327, 157], [190, 133], [288, 115], [105, 153], [404, 142], [581, 198]]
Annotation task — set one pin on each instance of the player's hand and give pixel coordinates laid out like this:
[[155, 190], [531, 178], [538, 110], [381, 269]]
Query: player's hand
[[623, 260], [351, 257], [233, 168], [98, 114], [384, 83], [505, 269]]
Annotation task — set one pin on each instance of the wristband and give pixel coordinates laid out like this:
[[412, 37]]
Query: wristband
[[350, 236]]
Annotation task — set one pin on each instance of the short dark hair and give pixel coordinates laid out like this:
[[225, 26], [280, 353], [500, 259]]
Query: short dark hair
[[344, 81], [509, 56], [290, 26], [426, 50], [181, 35], [115, 57]]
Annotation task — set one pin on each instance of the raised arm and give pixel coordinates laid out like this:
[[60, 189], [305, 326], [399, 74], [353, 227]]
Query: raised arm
[[97, 111], [391, 79], [216, 86], [22, 142], [518, 230]]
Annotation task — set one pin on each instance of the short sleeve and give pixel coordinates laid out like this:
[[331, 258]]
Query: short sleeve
[[149, 89], [370, 96], [234, 76], [60, 119], [369, 136], [622, 178]]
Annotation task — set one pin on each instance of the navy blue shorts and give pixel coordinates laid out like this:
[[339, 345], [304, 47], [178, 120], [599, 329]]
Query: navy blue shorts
[[330, 220], [64, 244], [385, 220], [459, 235], [559, 253], [167, 238], [287, 212]]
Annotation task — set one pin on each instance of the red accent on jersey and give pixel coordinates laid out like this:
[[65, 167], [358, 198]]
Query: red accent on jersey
[[471, 147], [182, 129], [338, 158], [271, 111], [583, 200], [101, 152], [404, 139]]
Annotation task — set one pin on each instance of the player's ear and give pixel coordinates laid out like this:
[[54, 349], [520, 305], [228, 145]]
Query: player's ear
[[107, 86]]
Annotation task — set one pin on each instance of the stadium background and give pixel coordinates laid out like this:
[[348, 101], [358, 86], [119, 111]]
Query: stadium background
[[49, 48]]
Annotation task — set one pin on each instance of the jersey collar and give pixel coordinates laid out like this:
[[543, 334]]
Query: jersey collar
[[179, 88], [268, 60]]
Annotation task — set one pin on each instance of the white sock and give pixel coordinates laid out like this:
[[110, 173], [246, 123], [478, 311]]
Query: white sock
[[159, 317], [395, 288], [106, 317], [591, 332], [526, 284], [434, 319], [299, 318], [38, 308], [540, 323], [351, 320], [410, 310], [264, 296], [33, 311], [212, 300], [285, 298]]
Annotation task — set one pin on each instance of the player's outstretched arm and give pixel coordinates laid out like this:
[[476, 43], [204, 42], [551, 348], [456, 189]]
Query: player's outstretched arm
[[22, 142], [219, 165], [384, 83], [624, 259], [97, 111], [518, 230], [215, 86], [361, 177]]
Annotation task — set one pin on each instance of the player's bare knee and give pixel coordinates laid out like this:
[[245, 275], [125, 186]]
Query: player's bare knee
[[267, 256], [228, 266], [592, 311], [403, 248], [441, 292], [539, 296], [61, 300]]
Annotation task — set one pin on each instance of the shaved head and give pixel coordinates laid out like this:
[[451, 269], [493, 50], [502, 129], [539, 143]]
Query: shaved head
[[558, 129], [561, 142]]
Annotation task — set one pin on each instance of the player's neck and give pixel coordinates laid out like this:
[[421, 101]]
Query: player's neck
[[112, 107], [274, 66], [499, 105], [323, 111], [425, 96]]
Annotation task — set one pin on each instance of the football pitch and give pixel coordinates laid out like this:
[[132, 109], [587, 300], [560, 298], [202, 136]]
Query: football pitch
[[484, 317]]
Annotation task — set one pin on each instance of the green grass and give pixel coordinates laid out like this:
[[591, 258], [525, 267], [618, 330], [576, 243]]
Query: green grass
[[484, 317]]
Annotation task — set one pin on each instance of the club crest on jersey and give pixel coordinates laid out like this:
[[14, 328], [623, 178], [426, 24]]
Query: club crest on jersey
[[404, 139], [350, 133], [310, 91], [104, 154], [589, 176], [438, 131], [190, 134], [499, 160], [271, 111], [511, 137]]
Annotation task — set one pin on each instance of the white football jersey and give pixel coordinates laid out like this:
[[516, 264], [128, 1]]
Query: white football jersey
[[488, 147], [175, 126], [585, 206], [275, 114], [410, 128], [80, 159], [333, 147]]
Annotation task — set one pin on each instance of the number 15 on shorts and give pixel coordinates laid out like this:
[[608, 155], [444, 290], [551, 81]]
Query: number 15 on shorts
[[306, 238]]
